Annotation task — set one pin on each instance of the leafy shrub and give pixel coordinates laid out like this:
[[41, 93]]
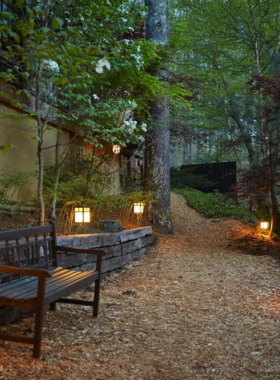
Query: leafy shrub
[[214, 205], [120, 201], [75, 184], [13, 182]]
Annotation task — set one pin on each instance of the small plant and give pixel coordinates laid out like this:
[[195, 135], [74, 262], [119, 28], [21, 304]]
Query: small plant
[[103, 207], [12, 184]]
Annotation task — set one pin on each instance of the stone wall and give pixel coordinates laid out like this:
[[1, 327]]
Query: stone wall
[[121, 249]]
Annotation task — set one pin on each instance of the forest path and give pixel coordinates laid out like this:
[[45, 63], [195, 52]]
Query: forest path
[[198, 231], [190, 309]]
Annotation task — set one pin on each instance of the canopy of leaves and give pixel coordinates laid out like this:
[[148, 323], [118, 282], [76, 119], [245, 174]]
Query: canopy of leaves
[[223, 43], [83, 60]]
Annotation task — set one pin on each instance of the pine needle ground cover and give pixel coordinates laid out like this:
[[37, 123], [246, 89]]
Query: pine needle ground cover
[[192, 308]]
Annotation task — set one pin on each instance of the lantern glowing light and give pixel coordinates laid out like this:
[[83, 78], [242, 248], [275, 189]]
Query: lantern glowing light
[[116, 149], [139, 208], [264, 225], [82, 215]]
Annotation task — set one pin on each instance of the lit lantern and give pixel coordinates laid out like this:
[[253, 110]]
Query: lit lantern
[[140, 162], [116, 149], [82, 215], [264, 225], [139, 208]]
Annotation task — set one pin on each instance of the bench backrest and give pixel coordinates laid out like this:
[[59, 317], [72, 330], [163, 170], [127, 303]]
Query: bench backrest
[[29, 247]]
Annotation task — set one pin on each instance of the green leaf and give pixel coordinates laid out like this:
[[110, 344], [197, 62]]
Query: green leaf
[[20, 3], [3, 148], [57, 22]]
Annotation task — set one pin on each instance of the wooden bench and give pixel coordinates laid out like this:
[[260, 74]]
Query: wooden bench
[[32, 278]]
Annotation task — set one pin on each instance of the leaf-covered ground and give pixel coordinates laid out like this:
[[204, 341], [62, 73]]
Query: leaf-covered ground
[[192, 308]]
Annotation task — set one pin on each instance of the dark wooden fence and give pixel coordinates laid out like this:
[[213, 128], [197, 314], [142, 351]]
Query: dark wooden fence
[[222, 173]]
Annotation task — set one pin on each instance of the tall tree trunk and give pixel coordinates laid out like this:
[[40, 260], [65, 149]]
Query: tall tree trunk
[[158, 151], [40, 151], [56, 171], [260, 116], [60, 157]]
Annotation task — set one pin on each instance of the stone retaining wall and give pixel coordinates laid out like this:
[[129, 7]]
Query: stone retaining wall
[[121, 249]]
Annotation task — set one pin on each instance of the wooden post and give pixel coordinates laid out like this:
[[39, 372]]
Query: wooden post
[[39, 318], [97, 287]]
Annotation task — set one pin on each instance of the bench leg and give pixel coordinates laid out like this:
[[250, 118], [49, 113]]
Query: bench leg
[[39, 319], [97, 287], [53, 306], [96, 298], [38, 332]]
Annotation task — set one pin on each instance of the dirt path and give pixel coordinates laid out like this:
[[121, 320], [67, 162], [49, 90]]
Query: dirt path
[[190, 309]]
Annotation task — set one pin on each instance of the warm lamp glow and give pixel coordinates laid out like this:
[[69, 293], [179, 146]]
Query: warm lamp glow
[[82, 215], [139, 208], [116, 149], [264, 225]]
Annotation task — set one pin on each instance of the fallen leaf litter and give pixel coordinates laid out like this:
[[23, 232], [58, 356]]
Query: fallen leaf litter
[[192, 308]]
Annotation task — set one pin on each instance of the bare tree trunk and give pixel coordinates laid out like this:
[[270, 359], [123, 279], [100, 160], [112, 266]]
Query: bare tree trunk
[[173, 152], [273, 204], [234, 147], [158, 151], [40, 152], [57, 172], [185, 151], [260, 116], [61, 155]]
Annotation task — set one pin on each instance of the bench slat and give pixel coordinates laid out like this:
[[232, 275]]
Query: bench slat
[[17, 287], [26, 244], [14, 283], [59, 280], [73, 278], [71, 288], [9, 286], [70, 281], [24, 232], [27, 290], [21, 287]]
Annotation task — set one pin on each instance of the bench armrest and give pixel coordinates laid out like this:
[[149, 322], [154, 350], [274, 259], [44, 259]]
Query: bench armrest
[[41, 273], [97, 252]]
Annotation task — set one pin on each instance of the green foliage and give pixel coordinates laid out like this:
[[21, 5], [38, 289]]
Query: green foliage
[[3, 148], [89, 68], [214, 205], [262, 211], [86, 184], [74, 186], [60, 52], [11, 183], [95, 70], [223, 44], [120, 201]]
